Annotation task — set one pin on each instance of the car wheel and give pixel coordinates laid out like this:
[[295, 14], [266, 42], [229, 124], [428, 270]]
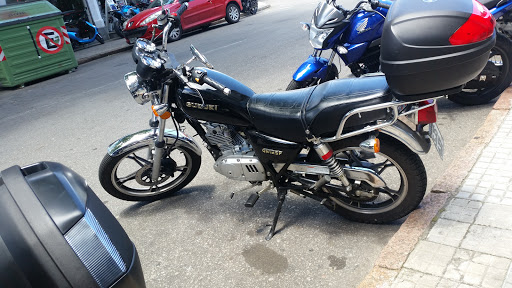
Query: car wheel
[[232, 13], [175, 34]]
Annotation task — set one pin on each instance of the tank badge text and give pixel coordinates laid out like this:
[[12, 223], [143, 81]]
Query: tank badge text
[[201, 106], [271, 151]]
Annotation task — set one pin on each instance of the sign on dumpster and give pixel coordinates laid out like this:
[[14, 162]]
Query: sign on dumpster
[[49, 39], [2, 55]]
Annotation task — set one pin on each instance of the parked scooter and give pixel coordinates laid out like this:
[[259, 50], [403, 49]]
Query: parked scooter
[[354, 35], [344, 143], [82, 32]]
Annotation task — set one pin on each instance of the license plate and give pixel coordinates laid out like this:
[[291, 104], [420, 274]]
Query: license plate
[[437, 138]]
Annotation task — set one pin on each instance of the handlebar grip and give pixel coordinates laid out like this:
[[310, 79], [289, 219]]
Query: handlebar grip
[[384, 5], [182, 9], [216, 85]]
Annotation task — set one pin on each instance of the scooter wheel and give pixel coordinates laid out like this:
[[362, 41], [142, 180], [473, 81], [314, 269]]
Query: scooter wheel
[[100, 39]]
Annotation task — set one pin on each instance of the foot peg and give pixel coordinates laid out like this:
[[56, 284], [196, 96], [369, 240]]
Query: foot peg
[[252, 200], [254, 197]]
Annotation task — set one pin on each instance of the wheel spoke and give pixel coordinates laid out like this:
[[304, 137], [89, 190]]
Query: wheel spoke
[[384, 166], [127, 178], [139, 160], [392, 194]]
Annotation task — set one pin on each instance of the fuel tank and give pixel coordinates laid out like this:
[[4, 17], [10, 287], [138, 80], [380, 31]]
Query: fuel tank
[[203, 102]]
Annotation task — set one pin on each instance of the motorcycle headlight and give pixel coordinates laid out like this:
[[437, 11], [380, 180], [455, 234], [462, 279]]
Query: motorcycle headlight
[[317, 36], [139, 92], [151, 17]]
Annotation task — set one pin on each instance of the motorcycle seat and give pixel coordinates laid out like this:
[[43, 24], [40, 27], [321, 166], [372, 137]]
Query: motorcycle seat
[[490, 3], [287, 115]]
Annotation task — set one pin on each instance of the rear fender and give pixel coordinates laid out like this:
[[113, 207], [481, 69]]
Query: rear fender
[[147, 137], [314, 67], [413, 140]]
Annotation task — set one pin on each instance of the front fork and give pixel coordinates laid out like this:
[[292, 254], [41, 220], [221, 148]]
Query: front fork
[[160, 139]]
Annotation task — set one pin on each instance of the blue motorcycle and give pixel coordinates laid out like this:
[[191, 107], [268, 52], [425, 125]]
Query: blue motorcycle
[[354, 36], [120, 14]]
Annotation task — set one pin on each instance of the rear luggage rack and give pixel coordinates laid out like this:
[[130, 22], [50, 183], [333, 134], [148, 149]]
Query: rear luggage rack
[[392, 107]]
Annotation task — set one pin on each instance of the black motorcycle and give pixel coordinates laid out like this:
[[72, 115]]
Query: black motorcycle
[[351, 144]]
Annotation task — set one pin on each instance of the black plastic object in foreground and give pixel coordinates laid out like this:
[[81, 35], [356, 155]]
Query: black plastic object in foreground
[[55, 232], [416, 54]]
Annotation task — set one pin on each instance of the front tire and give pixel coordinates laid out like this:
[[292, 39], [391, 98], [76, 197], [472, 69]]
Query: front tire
[[128, 175], [232, 13], [500, 57], [400, 168]]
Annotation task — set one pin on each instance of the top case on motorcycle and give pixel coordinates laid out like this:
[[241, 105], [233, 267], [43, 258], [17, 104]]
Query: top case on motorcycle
[[55, 232], [417, 54], [287, 115]]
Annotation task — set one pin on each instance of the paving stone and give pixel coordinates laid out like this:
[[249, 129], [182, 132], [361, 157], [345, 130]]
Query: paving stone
[[431, 258], [465, 195], [467, 188], [475, 176], [498, 192], [495, 215], [490, 240], [508, 279], [479, 197], [485, 183], [477, 269], [458, 210], [415, 279], [448, 232]]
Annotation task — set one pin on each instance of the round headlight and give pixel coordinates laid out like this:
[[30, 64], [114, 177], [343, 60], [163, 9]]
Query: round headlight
[[138, 91], [145, 45]]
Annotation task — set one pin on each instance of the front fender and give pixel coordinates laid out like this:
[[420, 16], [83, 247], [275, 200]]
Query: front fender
[[314, 67], [147, 137], [403, 133]]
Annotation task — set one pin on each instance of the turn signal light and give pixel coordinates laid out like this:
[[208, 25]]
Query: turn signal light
[[478, 27]]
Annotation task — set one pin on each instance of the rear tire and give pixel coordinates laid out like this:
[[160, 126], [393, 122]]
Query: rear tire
[[503, 49], [232, 13], [402, 195]]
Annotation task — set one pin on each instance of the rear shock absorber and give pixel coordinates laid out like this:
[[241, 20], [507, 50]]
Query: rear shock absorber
[[325, 152]]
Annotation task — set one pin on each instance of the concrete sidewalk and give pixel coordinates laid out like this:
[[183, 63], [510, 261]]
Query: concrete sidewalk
[[117, 45], [461, 235]]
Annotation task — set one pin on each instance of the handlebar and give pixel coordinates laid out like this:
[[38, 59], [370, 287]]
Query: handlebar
[[201, 77]]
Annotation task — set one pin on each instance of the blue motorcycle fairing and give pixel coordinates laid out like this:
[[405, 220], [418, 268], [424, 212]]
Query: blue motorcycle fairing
[[313, 67], [355, 52], [365, 27]]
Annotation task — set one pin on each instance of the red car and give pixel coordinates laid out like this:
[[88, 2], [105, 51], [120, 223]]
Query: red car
[[200, 13]]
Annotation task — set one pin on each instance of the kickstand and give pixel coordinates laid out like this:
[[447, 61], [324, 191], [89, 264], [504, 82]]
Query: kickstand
[[281, 195]]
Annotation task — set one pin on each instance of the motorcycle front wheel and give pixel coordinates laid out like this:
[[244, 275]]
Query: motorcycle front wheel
[[401, 169], [479, 92], [128, 175]]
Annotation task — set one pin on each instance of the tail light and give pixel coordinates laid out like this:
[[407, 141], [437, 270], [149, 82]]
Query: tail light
[[427, 115], [478, 27]]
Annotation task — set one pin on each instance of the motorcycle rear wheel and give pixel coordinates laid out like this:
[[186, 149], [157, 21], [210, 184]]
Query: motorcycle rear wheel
[[331, 75], [400, 168], [501, 57], [128, 175], [118, 27]]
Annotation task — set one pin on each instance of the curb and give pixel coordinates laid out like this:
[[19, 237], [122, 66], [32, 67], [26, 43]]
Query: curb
[[87, 59], [396, 251]]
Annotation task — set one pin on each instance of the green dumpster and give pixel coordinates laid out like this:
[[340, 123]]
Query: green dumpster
[[33, 43]]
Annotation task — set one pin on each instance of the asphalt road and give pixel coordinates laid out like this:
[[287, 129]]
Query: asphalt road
[[200, 237]]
